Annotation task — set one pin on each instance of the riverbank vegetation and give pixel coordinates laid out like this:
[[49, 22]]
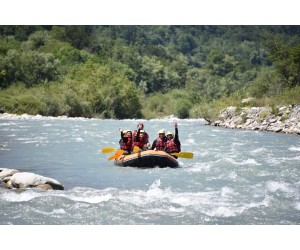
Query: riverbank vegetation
[[147, 71]]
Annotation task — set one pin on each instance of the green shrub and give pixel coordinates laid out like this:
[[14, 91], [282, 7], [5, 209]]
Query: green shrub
[[8, 103], [36, 40], [29, 67], [182, 109], [267, 83], [68, 54], [206, 111], [7, 43], [30, 105], [77, 107], [158, 105], [289, 96]]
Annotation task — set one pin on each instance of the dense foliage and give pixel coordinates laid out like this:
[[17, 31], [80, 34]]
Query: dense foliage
[[146, 71]]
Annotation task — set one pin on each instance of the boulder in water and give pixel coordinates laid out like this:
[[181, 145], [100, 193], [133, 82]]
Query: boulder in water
[[22, 180], [6, 172]]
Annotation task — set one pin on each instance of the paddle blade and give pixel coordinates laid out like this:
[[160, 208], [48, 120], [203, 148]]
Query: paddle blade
[[117, 154], [107, 150], [136, 149], [188, 155]]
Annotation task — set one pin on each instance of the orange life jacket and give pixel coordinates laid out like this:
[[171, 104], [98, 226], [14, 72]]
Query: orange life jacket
[[172, 147]]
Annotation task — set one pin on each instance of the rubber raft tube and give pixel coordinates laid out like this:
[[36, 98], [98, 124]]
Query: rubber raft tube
[[147, 159]]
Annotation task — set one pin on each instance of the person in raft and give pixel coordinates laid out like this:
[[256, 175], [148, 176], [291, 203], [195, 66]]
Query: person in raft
[[173, 143], [141, 138], [161, 142], [126, 142]]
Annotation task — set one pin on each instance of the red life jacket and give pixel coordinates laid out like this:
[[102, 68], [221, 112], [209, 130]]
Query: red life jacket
[[134, 133], [140, 143], [160, 144], [126, 145], [172, 147], [143, 139], [146, 136]]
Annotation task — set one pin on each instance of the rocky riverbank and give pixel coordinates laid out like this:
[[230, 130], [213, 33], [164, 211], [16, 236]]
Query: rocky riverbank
[[283, 119]]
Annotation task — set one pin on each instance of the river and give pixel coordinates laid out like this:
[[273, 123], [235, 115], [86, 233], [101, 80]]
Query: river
[[237, 177]]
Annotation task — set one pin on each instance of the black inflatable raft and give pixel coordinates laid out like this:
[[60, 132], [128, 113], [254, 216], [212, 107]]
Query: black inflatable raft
[[147, 159]]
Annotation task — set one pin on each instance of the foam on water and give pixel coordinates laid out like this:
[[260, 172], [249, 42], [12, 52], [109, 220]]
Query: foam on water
[[212, 203], [273, 161], [296, 158], [189, 142], [227, 192], [244, 162], [3, 146], [258, 150], [274, 186], [265, 203], [293, 148], [199, 167], [223, 211], [88, 195], [79, 139], [20, 196], [145, 205], [52, 213], [47, 125]]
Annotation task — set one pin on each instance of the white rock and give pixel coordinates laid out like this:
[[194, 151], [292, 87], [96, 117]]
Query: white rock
[[25, 179], [7, 172]]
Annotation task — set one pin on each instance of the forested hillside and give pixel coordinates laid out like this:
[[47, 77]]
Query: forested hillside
[[146, 71]]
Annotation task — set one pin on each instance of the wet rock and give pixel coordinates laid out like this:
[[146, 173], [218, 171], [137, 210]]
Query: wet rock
[[7, 172], [12, 178], [28, 180], [45, 186]]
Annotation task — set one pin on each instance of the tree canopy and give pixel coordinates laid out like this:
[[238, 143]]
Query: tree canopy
[[127, 71]]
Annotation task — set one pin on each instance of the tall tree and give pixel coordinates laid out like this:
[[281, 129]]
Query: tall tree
[[286, 57]]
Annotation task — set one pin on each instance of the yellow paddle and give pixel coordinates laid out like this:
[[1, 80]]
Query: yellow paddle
[[188, 155], [108, 150], [136, 149], [117, 154]]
